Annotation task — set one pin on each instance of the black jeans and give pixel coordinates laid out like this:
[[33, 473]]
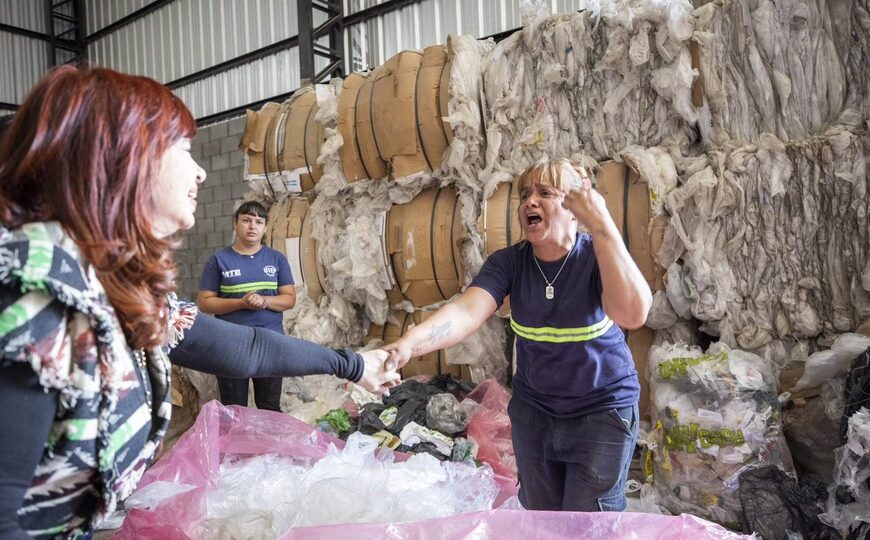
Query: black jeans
[[267, 392]]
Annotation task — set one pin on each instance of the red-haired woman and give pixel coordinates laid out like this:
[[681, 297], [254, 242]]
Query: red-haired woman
[[96, 177]]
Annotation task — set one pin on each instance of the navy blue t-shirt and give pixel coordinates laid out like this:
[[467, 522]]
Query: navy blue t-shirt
[[571, 358], [232, 275]]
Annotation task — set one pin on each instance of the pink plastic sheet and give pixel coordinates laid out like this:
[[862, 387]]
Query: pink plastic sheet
[[528, 524], [490, 427], [196, 457], [195, 460]]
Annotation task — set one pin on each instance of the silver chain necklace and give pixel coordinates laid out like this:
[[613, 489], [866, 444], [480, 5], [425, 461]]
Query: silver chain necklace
[[549, 292]]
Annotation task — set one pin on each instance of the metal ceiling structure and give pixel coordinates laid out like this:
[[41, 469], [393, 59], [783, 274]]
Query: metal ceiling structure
[[173, 44]]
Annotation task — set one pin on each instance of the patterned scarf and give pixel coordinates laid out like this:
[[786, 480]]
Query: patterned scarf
[[55, 316]]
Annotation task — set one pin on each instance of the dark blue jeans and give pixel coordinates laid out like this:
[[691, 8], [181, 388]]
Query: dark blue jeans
[[577, 464], [267, 392]]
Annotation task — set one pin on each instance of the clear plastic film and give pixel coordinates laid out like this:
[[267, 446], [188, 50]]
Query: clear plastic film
[[715, 415], [849, 502], [244, 473], [772, 238], [763, 73], [587, 85]]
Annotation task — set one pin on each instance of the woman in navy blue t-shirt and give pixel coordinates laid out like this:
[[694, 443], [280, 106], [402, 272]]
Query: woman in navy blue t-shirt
[[574, 413]]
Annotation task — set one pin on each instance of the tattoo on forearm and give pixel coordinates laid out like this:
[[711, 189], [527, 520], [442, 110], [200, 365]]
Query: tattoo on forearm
[[439, 333]]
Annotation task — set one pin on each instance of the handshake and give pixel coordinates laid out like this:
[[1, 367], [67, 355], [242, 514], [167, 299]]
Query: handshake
[[381, 368]]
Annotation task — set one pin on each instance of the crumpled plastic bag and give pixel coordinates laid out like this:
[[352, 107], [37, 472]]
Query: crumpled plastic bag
[[848, 508], [715, 415], [490, 427], [219, 431], [825, 365]]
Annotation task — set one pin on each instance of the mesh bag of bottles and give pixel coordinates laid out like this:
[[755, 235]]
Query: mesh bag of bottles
[[715, 415]]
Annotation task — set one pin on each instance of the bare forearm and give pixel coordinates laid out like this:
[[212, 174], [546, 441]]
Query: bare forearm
[[627, 297], [220, 306], [281, 302], [452, 323]]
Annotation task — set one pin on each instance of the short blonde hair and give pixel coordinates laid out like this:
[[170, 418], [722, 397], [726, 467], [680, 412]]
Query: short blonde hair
[[549, 171]]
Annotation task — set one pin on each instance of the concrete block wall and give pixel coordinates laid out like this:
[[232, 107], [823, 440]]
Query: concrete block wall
[[216, 149]]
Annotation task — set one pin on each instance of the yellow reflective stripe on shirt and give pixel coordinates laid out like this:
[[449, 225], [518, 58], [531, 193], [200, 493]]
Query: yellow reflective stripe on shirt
[[549, 334], [248, 287]]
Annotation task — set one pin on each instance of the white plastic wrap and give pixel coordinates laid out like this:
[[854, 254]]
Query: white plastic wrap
[[483, 351], [852, 476], [465, 156], [715, 415], [823, 366], [774, 67], [309, 398], [589, 84], [774, 239], [262, 496]]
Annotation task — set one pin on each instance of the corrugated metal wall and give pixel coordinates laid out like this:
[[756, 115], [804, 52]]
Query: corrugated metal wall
[[102, 13], [23, 59], [429, 22], [28, 14], [187, 36]]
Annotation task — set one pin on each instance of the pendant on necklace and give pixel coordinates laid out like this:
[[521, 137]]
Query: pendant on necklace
[[549, 292]]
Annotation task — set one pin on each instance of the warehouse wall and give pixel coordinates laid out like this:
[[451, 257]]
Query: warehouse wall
[[23, 59], [216, 150]]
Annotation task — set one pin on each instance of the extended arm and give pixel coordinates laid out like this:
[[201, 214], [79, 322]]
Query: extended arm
[[448, 326], [231, 350]]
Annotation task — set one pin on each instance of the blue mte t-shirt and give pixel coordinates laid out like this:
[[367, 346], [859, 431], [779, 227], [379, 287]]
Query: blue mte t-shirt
[[571, 358], [232, 275]]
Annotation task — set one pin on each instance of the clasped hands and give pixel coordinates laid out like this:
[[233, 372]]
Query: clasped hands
[[254, 301]]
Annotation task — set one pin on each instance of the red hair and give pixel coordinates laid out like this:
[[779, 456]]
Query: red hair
[[85, 149]]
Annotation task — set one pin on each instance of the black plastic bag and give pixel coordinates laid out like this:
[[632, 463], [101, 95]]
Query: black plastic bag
[[774, 505]]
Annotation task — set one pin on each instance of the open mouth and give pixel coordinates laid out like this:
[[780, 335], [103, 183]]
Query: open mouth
[[533, 219]]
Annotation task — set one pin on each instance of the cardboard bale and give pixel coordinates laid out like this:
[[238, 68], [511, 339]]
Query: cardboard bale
[[303, 136], [499, 224], [291, 236], [254, 138], [272, 145], [370, 154], [444, 92], [499, 221], [351, 158], [276, 225], [423, 239], [434, 363], [628, 201], [429, 113], [394, 114], [311, 272], [639, 342], [314, 136]]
